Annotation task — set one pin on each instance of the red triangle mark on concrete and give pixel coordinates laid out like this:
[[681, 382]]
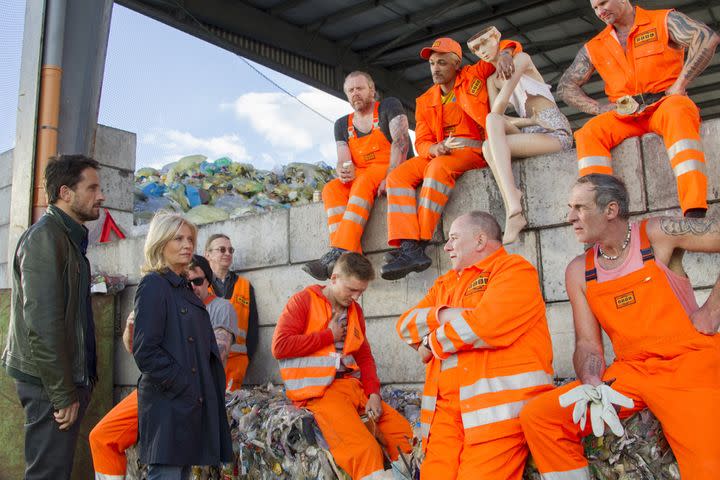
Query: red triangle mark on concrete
[[109, 226]]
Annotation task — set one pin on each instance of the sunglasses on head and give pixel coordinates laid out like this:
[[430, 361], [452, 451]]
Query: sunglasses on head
[[198, 281], [223, 250]]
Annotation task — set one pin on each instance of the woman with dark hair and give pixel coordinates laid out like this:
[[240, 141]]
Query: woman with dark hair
[[182, 418]]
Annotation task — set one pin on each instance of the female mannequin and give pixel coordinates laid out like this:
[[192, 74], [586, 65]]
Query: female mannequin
[[546, 130]]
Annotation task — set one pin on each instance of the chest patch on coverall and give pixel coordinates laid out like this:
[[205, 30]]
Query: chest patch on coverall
[[475, 87], [648, 36], [624, 300], [478, 285]]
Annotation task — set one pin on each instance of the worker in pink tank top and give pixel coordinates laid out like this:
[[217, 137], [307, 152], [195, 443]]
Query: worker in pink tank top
[[667, 348]]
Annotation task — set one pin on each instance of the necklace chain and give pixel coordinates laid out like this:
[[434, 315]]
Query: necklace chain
[[622, 249]]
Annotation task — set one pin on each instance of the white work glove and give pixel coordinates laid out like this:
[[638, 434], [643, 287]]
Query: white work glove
[[605, 412], [581, 396], [602, 400]]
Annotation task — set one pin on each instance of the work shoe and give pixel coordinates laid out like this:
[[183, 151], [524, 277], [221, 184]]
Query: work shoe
[[411, 258], [391, 255], [696, 213], [322, 269]]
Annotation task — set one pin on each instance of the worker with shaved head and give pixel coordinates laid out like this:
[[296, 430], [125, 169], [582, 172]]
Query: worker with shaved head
[[482, 332], [449, 131], [371, 142], [641, 57]]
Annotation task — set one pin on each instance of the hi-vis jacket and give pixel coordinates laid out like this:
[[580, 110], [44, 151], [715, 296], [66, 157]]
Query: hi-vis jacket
[[650, 64], [305, 348], [498, 339], [470, 93]]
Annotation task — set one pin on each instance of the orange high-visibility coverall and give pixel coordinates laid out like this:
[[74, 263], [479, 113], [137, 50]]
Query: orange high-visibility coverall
[[650, 65], [238, 361], [662, 363], [489, 360], [348, 204], [463, 115], [335, 385], [117, 431]]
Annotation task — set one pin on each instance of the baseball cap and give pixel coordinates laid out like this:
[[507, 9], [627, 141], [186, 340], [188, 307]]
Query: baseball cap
[[442, 45]]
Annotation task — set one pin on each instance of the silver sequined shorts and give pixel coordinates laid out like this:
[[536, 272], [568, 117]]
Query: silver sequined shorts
[[554, 118]]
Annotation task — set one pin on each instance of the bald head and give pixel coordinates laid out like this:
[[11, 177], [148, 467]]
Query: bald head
[[472, 237], [483, 222]]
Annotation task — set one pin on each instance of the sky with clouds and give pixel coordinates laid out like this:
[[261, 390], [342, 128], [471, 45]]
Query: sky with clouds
[[183, 96]]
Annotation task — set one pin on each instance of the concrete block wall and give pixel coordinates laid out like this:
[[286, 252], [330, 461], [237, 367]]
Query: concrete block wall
[[272, 247], [6, 162]]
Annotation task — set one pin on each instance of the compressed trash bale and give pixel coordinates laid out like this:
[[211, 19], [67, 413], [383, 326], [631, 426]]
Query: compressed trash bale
[[206, 214]]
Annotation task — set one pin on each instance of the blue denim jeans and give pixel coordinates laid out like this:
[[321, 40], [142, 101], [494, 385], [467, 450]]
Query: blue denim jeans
[[168, 472]]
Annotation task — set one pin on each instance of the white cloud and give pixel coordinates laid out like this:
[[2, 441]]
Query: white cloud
[[290, 130], [171, 145]]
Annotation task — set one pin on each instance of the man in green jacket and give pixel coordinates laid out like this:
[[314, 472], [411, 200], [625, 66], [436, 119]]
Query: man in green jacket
[[50, 348]]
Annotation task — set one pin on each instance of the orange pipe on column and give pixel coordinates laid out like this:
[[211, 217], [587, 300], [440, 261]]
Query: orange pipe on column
[[47, 135]]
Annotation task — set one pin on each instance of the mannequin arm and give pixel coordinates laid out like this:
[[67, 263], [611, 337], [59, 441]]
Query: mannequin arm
[[522, 62]]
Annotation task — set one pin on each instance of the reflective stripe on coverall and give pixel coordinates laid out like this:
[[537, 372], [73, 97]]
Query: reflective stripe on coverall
[[651, 65], [662, 363], [348, 205], [435, 120], [238, 359], [490, 359]]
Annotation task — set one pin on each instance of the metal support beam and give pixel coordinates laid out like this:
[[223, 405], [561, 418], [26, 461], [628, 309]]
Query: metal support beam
[[346, 13]]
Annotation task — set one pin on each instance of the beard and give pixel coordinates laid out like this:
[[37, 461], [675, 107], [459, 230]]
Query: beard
[[85, 214]]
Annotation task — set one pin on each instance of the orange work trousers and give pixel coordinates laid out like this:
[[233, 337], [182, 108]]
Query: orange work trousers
[[682, 392], [237, 364], [676, 118], [348, 206], [412, 220], [449, 457], [352, 445], [115, 433]]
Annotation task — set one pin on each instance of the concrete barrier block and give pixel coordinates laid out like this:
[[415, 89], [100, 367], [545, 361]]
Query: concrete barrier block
[[263, 366], [6, 163], [5, 196], [117, 186], [549, 178], [476, 190], [527, 246], [661, 182], [385, 298], [120, 257], [126, 371], [309, 237], [558, 247], [124, 221], [5, 280], [115, 148], [396, 362], [703, 269], [4, 232], [274, 287], [259, 240]]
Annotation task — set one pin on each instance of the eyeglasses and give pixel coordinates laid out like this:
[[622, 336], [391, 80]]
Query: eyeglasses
[[222, 250], [198, 281]]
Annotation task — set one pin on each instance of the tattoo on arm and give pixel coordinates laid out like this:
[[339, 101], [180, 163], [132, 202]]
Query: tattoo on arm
[[400, 139], [592, 366], [699, 40], [570, 85], [224, 341], [677, 226]]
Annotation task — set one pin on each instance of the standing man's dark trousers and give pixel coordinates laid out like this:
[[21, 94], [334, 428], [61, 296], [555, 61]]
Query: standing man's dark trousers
[[49, 451]]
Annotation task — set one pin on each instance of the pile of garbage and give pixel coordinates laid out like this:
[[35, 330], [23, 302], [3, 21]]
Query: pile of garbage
[[274, 440], [214, 191]]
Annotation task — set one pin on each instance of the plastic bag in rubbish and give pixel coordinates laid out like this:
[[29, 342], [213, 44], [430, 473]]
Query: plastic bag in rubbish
[[206, 214]]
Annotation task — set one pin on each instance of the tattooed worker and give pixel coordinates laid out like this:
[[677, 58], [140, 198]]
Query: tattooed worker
[[667, 349], [371, 142], [641, 57]]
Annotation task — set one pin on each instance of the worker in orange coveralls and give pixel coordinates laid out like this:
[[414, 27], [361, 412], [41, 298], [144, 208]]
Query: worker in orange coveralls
[[328, 368], [482, 332], [371, 142], [449, 132], [640, 56], [118, 429], [667, 349]]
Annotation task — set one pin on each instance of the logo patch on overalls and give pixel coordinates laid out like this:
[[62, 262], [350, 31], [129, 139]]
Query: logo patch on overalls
[[475, 87], [242, 300], [646, 37], [624, 300], [369, 156], [478, 285]]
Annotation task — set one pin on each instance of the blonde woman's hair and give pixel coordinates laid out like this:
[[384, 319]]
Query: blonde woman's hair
[[163, 228]]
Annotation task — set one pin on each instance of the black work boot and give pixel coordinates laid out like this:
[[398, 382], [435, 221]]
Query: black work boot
[[391, 255], [411, 258], [695, 213], [322, 269]]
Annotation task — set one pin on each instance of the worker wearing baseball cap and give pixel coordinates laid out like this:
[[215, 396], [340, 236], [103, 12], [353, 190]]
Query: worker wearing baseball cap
[[449, 132]]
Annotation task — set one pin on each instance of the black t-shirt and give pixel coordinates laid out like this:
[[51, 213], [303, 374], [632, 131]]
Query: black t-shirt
[[389, 108]]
